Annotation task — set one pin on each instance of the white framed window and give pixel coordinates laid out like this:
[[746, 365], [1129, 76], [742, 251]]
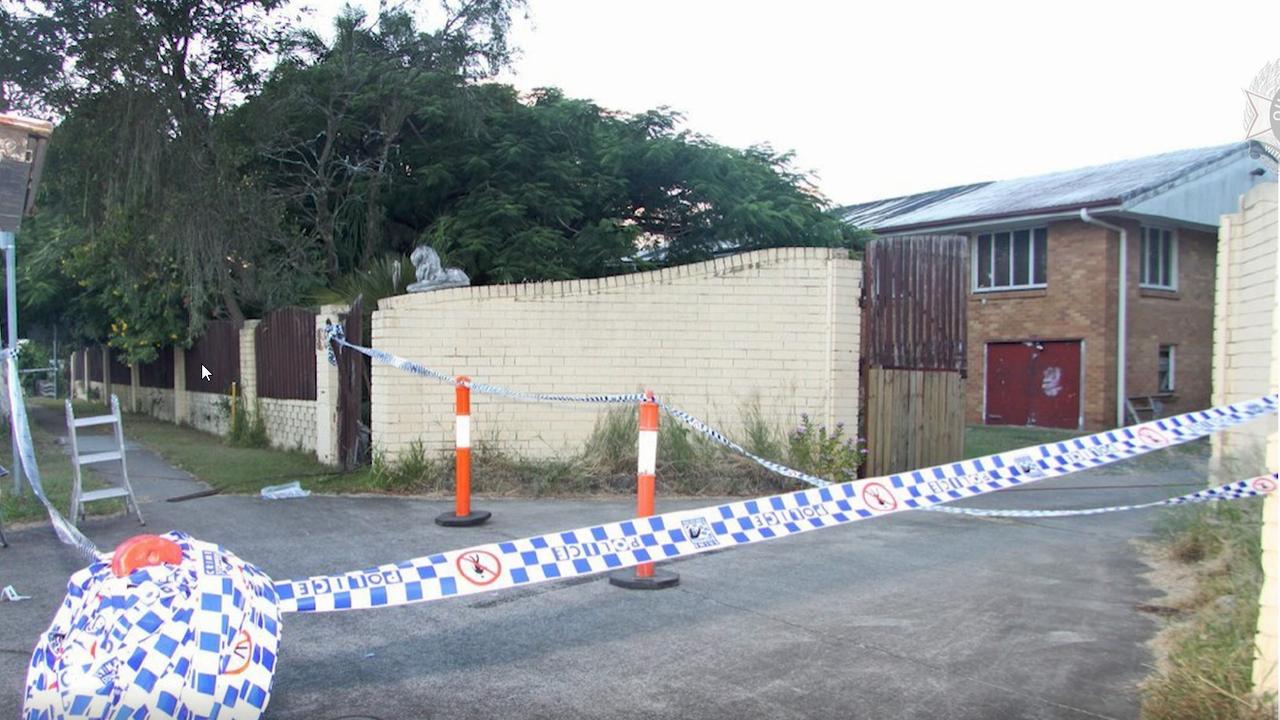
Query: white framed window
[[1159, 259], [1165, 368], [1010, 259]]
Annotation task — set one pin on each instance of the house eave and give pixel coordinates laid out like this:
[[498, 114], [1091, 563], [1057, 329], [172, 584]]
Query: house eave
[[1003, 219]]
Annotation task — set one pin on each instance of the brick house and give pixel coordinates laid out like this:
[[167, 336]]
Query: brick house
[[1049, 328]]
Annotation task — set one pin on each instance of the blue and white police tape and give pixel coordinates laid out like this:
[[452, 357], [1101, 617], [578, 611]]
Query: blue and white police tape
[[196, 638], [602, 548], [720, 439], [178, 633], [1237, 490], [66, 531], [1086, 452], [337, 335]]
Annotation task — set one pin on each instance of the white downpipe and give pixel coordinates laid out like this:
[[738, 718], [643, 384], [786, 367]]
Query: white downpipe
[[1121, 311]]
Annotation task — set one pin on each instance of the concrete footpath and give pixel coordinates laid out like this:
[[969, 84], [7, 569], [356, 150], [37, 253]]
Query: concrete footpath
[[917, 615]]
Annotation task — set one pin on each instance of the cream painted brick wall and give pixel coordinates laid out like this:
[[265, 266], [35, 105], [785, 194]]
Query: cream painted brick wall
[[779, 327], [209, 412], [1246, 364], [291, 424], [156, 402]]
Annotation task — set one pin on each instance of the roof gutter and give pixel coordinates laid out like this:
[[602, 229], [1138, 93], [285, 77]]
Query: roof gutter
[[1121, 310]]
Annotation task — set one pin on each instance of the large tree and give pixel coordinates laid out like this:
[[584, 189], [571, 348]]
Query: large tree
[[182, 185], [330, 124]]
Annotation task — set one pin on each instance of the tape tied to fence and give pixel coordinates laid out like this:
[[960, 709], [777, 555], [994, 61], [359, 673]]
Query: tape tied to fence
[[613, 546], [200, 638], [1085, 448]]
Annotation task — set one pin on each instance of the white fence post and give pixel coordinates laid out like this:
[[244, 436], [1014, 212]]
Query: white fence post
[[181, 406]]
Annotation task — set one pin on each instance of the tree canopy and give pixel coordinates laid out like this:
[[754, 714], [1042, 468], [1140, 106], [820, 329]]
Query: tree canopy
[[187, 182]]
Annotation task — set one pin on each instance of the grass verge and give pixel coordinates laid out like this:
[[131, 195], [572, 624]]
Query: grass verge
[[56, 477], [228, 467], [980, 440], [1206, 653]]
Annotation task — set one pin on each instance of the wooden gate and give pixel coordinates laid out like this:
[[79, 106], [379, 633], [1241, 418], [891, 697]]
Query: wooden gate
[[351, 379], [914, 341]]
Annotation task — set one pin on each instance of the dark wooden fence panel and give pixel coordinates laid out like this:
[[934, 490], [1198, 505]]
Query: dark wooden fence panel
[[285, 346], [914, 292], [82, 367], [218, 350], [159, 372], [94, 354], [914, 339], [120, 373]]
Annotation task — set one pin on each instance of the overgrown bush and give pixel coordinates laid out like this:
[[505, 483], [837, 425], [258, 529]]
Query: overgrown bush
[[829, 454], [759, 436], [248, 428], [688, 464], [413, 471]]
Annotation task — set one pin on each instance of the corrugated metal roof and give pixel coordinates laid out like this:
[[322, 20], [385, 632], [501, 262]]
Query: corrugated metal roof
[[1113, 183], [873, 214]]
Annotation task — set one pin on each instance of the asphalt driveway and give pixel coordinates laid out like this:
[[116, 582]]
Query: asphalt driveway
[[916, 615]]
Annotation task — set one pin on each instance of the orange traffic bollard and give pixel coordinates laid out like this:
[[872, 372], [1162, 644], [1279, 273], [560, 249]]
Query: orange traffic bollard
[[462, 515], [645, 576]]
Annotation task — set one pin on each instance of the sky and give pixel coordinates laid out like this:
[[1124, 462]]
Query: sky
[[890, 98]]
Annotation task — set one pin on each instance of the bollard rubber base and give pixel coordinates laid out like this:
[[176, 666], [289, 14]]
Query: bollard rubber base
[[627, 579], [477, 517]]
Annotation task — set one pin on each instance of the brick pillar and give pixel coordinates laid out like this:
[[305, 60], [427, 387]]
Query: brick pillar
[[106, 376], [326, 390], [248, 362], [181, 407], [1266, 661], [133, 387]]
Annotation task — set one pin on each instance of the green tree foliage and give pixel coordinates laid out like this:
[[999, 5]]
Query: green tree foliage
[[182, 185]]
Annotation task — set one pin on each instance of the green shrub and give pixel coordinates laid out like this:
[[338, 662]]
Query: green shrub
[[248, 429], [828, 454]]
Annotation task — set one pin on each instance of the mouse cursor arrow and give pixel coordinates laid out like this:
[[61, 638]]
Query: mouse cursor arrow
[[205, 374]]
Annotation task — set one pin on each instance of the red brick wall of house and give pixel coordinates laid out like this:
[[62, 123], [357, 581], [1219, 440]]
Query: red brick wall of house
[[1183, 318], [1073, 306], [1079, 303]]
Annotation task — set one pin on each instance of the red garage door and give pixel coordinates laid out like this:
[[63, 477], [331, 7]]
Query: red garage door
[[1033, 383]]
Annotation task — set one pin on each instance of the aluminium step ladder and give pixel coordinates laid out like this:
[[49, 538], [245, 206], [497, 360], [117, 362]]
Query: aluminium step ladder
[[78, 496]]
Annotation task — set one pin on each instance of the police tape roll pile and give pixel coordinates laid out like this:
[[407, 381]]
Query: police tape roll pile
[[192, 631], [193, 638]]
